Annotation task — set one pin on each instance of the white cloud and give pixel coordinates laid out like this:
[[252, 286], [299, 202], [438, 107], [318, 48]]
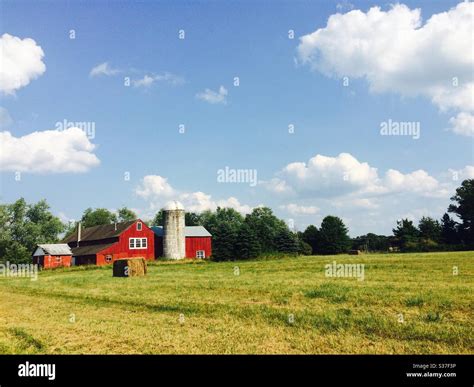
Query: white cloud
[[157, 191], [461, 174], [5, 118], [463, 124], [103, 69], [21, 62], [148, 80], [295, 209], [49, 151], [154, 186], [395, 52], [214, 97], [324, 176]]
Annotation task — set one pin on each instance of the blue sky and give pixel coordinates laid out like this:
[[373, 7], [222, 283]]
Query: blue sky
[[282, 82]]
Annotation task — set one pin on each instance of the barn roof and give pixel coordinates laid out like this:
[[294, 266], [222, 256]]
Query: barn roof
[[189, 231], [53, 249], [104, 231], [90, 250]]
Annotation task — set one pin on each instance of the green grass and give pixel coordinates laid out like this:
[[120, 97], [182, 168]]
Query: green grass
[[408, 303]]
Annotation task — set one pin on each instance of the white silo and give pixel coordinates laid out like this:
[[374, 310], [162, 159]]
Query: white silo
[[174, 241]]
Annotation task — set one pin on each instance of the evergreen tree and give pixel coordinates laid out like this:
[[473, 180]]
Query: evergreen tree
[[286, 242], [333, 236], [311, 237], [247, 245], [407, 234], [464, 208], [449, 233]]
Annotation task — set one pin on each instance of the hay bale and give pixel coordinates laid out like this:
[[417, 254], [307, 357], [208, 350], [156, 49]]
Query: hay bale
[[355, 252], [129, 267]]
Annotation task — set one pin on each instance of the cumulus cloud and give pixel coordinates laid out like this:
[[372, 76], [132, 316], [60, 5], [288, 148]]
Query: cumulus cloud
[[325, 177], [49, 151], [214, 97], [395, 52], [103, 69], [295, 209], [22, 62], [149, 80], [463, 124], [157, 191]]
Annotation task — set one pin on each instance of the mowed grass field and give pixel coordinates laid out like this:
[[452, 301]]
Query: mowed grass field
[[408, 303]]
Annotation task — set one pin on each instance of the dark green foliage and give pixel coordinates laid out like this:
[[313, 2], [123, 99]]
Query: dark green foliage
[[464, 209], [192, 219], [333, 236], [23, 226], [304, 248], [449, 232], [97, 217], [224, 225], [429, 229], [407, 234], [125, 214], [247, 245], [266, 227], [371, 243], [311, 237], [286, 242]]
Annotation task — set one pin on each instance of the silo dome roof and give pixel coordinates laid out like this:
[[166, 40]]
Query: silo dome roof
[[173, 205]]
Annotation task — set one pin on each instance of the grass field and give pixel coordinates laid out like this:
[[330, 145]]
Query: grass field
[[271, 306]]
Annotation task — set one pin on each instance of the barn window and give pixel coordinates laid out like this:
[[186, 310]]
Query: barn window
[[138, 243], [139, 226], [200, 254], [108, 258]]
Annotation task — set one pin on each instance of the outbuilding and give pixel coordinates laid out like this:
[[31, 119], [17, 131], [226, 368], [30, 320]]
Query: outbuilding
[[49, 256]]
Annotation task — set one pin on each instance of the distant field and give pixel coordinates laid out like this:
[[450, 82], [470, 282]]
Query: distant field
[[274, 306]]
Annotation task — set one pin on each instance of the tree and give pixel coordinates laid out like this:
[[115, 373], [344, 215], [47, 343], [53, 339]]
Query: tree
[[125, 215], [247, 245], [371, 242], [311, 237], [266, 227], [430, 229], [449, 232], [192, 219], [407, 234], [223, 246], [333, 236], [23, 226], [224, 225], [158, 219], [464, 209], [304, 248], [97, 217], [286, 242]]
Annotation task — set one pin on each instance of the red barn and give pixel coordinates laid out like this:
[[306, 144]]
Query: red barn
[[100, 245], [49, 256], [198, 241]]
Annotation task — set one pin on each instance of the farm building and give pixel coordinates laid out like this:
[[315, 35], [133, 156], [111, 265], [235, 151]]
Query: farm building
[[197, 242], [100, 245], [175, 240], [52, 255]]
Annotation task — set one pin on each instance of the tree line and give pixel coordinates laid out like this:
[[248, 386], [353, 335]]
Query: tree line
[[234, 236]]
